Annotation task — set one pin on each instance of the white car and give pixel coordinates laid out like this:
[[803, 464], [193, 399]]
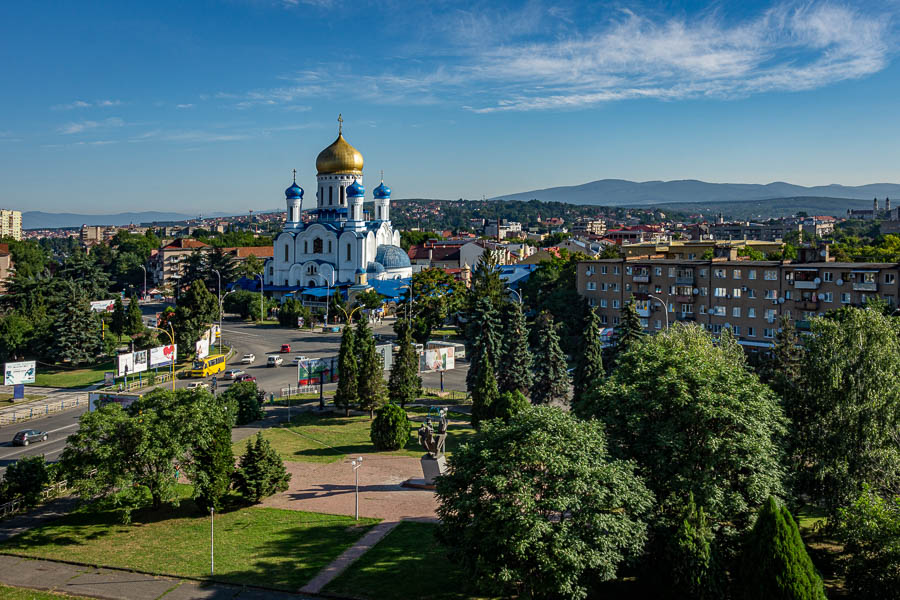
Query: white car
[[198, 385], [274, 361], [248, 359], [299, 359]]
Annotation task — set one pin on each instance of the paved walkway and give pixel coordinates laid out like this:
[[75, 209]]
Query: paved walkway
[[112, 584], [42, 514], [349, 556]]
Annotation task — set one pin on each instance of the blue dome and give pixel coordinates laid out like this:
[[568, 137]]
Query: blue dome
[[295, 191], [359, 271], [355, 190], [392, 257], [375, 267], [382, 191]]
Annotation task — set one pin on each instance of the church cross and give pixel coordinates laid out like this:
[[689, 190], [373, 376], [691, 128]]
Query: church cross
[[340, 124], [382, 176], [294, 171]]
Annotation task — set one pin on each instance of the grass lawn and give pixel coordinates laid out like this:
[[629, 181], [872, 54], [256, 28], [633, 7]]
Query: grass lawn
[[259, 546], [14, 593], [72, 378], [330, 438], [407, 563]]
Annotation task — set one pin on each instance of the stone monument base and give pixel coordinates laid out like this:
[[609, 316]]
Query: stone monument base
[[432, 467], [418, 484]]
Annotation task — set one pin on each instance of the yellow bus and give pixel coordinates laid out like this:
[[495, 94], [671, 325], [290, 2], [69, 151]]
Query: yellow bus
[[212, 364]]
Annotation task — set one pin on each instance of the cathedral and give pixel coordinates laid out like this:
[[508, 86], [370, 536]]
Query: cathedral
[[339, 247]]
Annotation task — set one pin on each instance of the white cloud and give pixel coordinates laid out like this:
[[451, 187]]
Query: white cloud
[[81, 126], [184, 106], [84, 104]]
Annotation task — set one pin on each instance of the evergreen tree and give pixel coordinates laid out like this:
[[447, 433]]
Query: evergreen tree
[[213, 467], [404, 383], [196, 310], [551, 376], [370, 383], [261, 472], [76, 335], [514, 365], [694, 568], [487, 341], [486, 287], [390, 429], [117, 322], [484, 393], [589, 366], [774, 563], [134, 323], [510, 404], [629, 329], [348, 372], [787, 353]]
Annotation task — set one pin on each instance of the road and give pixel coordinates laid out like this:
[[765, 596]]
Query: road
[[57, 425]]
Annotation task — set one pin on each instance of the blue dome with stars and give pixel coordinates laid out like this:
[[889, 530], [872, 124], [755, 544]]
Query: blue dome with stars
[[382, 191], [355, 190], [295, 191]]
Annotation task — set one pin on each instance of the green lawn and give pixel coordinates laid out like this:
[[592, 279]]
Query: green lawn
[[407, 563], [330, 438], [13, 593], [72, 378], [259, 546]]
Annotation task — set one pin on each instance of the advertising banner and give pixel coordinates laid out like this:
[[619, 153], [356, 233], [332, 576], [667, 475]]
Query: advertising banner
[[98, 399], [202, 347], [141, 361], [163, 356], [19, 372], [437, 359], [125, 364], [103, 305]]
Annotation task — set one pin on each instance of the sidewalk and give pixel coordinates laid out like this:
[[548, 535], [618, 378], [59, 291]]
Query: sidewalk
[[113, 584]]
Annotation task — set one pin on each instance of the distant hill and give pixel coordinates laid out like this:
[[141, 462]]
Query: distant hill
[[620, 192], [36, 219], [770, 208]]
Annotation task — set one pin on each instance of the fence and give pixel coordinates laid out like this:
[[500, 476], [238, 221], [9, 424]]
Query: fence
[[14, 506], [21, 415], [458, 395], [139, 382]]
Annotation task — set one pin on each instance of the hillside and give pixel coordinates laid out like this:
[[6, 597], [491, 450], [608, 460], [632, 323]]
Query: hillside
[[765, 209], [36, 219]]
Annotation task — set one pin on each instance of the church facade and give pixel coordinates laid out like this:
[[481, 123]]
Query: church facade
[[340, 246]]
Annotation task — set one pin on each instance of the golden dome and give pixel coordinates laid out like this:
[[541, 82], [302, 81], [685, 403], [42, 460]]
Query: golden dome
[[339, 157]]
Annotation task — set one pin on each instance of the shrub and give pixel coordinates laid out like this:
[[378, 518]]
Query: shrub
[[261, 472], [390, 429], [247, 397], [509, 404], [26, 478], [774, 563]]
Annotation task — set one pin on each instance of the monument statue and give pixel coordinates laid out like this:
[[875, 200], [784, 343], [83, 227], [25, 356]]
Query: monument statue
[[434, 463]]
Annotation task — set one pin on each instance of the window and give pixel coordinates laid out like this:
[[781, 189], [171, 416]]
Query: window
[[658, 324], [751, 274], [787, 294], [719, 273], [603, 319], [751, 332], [589, 271], [751, 293], [658, 289], [687, 309], [770, 315], [702, 272], [720, 292], [644, 323], [736, 311], [311, 270], [305, 247], [603, 270], [614, 286], [828, 276], [329, 246], [845, 298], [889, 277], [330, 195], [736, 329], [751, 313], [317, 246], [627, 287], [287, 251], [592, 302], [718, 311], [615, 304], [692, 256], [658, 271], [604, 286], [703, 291], [615, 320], [771, 275], [628, 270], [343, 195], [736, 293], [603, 302], [671, 271], [717, 329], [591, 286], [702, 309], [671, 307], [617, 270], [736, 274], [771, 294], [768, 333], [826, 297], [349, 250]]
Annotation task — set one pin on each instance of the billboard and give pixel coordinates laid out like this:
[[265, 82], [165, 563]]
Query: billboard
[[98, 399], [163, 356], [103, 305], [437, 359], [19, 372], [309, 371], [125, 364], [202, 347], [141, 361]]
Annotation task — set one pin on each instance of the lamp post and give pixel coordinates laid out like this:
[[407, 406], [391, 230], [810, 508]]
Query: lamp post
[[409, 303], [219, 275], [327, 298], [518, 294], [171, 335], [357, 463], [221, 313], [665, 307], [261, 296], [145, 280], [212, 557]]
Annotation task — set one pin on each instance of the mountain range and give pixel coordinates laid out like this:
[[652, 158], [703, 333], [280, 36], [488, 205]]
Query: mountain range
[[621, 192], [35, 219]]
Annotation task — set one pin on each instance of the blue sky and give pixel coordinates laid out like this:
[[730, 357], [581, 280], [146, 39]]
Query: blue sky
[[200, 105]]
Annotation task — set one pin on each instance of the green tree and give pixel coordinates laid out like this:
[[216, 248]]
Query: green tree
[[347, 393], [213, 467], [245, 304], [196, 310], [485, 392], [537, 508], [845, 421], [245, 396], [15, 331], [135, 320], [551, 376], [435, 296], [697, 421], [370, 299], [76, 335], [26, 478], [774, 562], [29, 259], [250, 267], [370, 384], [589, 370], [783, 372], [629, 329], [486, 323], [553, 288], [390, 429], [404, 383], [261, 472], [510, 404], [691, 559], [292, 309], [117, 323], [610, 251], [515, 361]]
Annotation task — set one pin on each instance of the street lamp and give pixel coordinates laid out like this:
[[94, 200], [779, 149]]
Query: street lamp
[[261, 295], [222, 312], [518, 294], [171, 335], [145, 280], [665, 307], [409, 303], [357, 463]]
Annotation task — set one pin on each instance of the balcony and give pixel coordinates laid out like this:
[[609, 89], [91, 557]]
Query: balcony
[[865, 286], [806, 305], [685, 317], [806, 285], [684, 299], [684, 280]]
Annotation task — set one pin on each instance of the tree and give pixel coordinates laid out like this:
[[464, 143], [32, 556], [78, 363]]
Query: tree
[[370, 384], [26, 478], [845, 421], [610, 251], [135, 320], [551, 376], [510, 404], [370, 299], [15, 332], [261, 472], [484, 393], [515, 361], [692, 561], [629, 329], [783, 372], [212, 469], [390, 429], [589, 370], [774, 562], [251, 267], [537, 508], [486, 340], [435, 295], [552, 287], [347, 393], [404, 383], [245, 304], [697, 421], [245, 396], [196, 310], [290, 310], [117, 323], [76, 337]]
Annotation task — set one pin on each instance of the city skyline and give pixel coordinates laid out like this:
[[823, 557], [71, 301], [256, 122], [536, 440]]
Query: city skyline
[[209, 106]]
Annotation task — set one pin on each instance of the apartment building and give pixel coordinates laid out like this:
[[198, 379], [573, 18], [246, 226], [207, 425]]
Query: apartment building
[[589, 226], [696, 249], [747, 296], [166, 264], [11, 224], [745, 230], [6, 266]]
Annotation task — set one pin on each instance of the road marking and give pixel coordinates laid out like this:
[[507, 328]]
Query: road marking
[[240, 332]]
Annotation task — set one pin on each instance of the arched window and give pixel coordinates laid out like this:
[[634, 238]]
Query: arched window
[[342, 196], [349, 250], [305, 247], [317, 246], [286, 251], [329, 246], [311, 270], [330, 195]]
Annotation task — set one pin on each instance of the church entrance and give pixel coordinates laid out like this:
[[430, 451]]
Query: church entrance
[[312, 283]]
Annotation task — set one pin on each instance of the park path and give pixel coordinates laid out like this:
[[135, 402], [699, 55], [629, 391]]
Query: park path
[[350, 555]]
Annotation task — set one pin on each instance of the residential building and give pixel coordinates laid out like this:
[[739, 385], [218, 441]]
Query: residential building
[[502, 229], [11, 224], [744, 230], [592, 226], [696, 249], [166, 264], [6, 266]]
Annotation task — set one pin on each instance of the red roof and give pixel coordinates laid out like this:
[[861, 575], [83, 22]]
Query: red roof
[[257, 251], [186, 243]]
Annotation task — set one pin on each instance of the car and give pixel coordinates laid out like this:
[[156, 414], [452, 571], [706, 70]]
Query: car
[[274, 360], [25, 437], [299, 359], [198, 385], [285, 348], [233, 373], [244, 377], [248, 359]]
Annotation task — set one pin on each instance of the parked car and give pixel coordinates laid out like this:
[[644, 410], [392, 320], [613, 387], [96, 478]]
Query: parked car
[[274, 361], [285, 348], [248, 359], [233, 373], [27, 436], [244, 377], [198, 385]]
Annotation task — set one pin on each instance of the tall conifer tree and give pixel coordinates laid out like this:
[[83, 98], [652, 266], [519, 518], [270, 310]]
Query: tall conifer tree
[[484, 393], [347, 393], [404, 383], [514, 366], [589, 366], [551, 376], [486, 323], [370, 385], [629, 329]]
